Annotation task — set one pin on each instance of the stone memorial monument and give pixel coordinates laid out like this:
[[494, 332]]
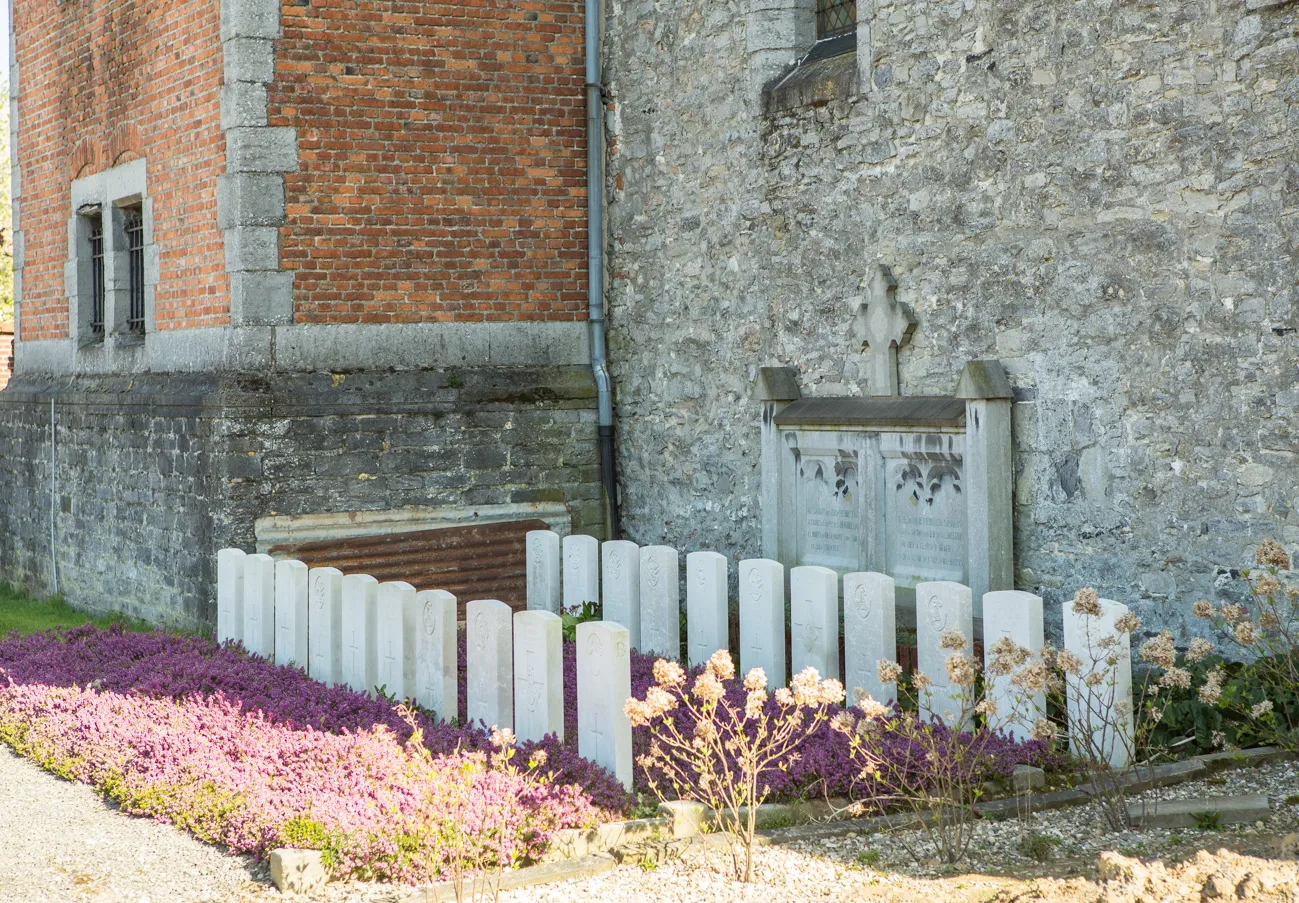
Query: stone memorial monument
[[942, 606], [538, 675], [620, 585], [869, 634], [814, 620], [1102, 706], [660, 601], [259, 605], [436, 667], [230, 594], [489, 666], [603, 688], [762, 619], [1017, 616], [707, 625], [581, 571], [544, 588], [360, 610], [395, 638], [916, 487], [291, 606], [325, 625]]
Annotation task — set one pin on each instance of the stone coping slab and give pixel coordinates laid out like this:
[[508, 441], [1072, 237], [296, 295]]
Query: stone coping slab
[[1220, 810]]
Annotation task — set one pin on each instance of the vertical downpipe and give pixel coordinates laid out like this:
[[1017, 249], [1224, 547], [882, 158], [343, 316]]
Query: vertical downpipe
[[54, 494], [595, 260]]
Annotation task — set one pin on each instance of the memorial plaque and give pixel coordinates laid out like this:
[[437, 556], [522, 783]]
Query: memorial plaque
[[924, 516], [830, 517], [917, 488]]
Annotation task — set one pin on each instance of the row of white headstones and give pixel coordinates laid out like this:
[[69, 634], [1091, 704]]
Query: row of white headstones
[[639, 587], [350, 629]]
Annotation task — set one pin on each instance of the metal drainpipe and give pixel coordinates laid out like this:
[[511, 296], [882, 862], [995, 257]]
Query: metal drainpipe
[[595, 260]]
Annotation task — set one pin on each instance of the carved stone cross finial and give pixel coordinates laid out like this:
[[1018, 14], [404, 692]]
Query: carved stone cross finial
[[884, 325]]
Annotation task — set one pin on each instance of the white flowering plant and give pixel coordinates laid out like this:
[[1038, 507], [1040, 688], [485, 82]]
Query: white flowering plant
[[1259, 695], [738, 734]]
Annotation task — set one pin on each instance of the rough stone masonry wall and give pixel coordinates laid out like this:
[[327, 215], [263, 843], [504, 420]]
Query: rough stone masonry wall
[[152, 473], [1103, 195], [100, 83]]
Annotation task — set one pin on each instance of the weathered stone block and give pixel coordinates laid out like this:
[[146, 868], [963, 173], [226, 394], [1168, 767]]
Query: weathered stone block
[[297, 871]]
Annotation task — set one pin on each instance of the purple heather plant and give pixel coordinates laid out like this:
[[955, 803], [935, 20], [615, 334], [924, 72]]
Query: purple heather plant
[[57, 687]]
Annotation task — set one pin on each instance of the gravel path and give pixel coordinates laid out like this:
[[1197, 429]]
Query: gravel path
[[60, 842]]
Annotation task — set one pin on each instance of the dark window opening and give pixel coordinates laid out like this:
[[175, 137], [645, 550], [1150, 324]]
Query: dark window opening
[[835, 18], [97, 274], [133, 228]]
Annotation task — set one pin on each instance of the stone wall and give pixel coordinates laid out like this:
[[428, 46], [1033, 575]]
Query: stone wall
[[1101, 195], [152, 474]]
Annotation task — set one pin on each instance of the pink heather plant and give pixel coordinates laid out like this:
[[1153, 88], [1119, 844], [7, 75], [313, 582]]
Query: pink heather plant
[[234, 778]]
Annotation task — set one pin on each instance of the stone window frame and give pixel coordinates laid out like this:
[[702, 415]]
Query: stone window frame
[[793, 67], [111, 193]]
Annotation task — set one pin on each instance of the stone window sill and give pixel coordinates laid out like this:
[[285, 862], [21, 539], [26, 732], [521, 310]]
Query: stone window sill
[[828, 73]]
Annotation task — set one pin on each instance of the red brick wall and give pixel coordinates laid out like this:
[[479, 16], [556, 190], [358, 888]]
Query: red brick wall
[[442, 149], [6, 355], [103, 82]]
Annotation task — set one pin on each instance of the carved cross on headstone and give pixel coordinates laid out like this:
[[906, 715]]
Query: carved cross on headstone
[[884, 325]]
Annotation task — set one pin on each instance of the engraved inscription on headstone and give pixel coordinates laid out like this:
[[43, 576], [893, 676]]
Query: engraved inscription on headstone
[[436, 652], [538, 675], [925, 516], [620, 584], [832, 521], [325, 625]]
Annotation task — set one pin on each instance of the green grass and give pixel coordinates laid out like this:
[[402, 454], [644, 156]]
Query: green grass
[[21, 612]]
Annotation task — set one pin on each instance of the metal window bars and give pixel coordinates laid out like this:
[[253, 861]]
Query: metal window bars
[[96, 274], [133, 228], [835, 18]]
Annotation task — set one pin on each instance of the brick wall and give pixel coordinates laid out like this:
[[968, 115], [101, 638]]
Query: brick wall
[[103, 83], [442, 159], [6, 354]]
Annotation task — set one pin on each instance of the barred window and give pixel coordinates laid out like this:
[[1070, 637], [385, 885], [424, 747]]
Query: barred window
[[96, 299], [133, 229], [835, 18]]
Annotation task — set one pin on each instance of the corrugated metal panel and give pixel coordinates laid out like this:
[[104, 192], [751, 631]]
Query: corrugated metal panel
[[484, 561]]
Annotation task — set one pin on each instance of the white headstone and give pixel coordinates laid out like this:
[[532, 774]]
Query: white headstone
[[395, 639], [603, 688], [707, 626], [1106, 708], [538, 675], [1017, 616], [259, 605], [869, 634], [325, 625], [291, 605], [762, 618], [620, 583], [489, 669], [230, 595], [581, 571], [437, 675], [942, 605], [544, 588], [660, 601], [814, 620], [360, 604]]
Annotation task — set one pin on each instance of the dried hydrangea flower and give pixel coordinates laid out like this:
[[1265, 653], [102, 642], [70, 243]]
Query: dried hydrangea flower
[[1267, 585], [1159, 650], [1086, 602], [1127, 623], [888, 671], [1271, 554], [1176, 678], [1246, 633], [1199, 650], [1261, 709], [720, 664], [756, 679], [668, 674], [952, 640], [1203, 608]]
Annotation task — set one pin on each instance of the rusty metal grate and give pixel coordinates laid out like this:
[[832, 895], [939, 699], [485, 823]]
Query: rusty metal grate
[[835, 18], [484, 561]]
